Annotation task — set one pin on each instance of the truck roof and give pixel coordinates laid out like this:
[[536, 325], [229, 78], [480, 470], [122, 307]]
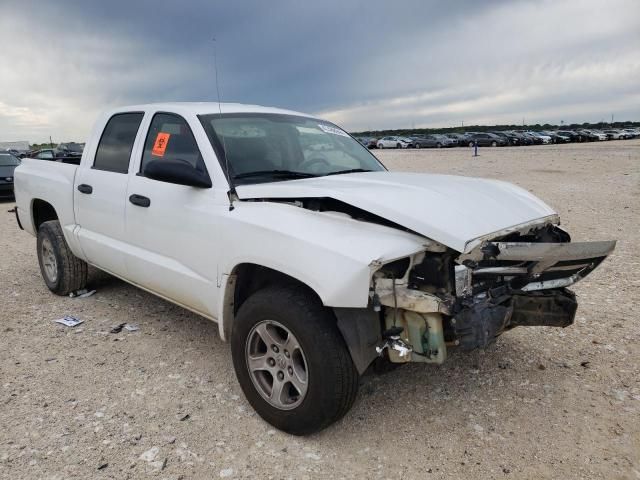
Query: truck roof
[[202, 108]]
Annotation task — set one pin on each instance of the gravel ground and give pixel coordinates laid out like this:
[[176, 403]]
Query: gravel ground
[[163, 402]]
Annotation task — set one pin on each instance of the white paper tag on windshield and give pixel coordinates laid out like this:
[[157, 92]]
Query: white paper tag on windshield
[[333, 130]]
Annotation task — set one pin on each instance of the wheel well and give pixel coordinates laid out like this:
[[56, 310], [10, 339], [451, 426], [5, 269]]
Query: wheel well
[[360, 327], [251, 277], [248, 278], [42, 212]]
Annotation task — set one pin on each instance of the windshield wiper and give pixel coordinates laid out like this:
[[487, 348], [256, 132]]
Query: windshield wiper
[[275, 173], [352, 170]]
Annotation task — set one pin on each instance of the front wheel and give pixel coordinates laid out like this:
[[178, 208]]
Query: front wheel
[[494, 144], [61, 270], [398, 145], [291, 360]]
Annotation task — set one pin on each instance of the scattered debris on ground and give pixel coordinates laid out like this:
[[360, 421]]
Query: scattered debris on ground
[[83, 293]]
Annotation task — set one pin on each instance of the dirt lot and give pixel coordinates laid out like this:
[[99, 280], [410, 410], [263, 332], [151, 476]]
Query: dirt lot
[[163, 402]]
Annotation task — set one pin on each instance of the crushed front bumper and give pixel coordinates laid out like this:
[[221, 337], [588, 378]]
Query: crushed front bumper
[[502, 285], [499, 286], [530, 266]]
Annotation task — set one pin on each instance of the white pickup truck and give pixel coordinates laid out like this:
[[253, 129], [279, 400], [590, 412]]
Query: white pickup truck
[[313, 259]]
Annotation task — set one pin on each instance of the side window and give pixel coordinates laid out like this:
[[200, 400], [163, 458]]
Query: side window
[[116, 143], [170, 138], [45, 155]]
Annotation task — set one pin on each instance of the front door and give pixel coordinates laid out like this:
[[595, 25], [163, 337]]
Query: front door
[[171, 250]]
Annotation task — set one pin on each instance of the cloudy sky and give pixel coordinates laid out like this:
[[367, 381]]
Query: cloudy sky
[[364, 64]]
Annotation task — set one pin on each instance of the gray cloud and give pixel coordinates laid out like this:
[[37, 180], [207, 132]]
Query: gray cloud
[[363, 64]]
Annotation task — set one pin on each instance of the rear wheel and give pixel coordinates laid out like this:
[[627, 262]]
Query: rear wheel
[[61, 270], [438, 145], [291, 360], [494, 144], [398, 145], [417, 145]]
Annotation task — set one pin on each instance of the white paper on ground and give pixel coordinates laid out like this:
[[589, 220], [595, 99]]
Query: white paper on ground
[[69, 321]]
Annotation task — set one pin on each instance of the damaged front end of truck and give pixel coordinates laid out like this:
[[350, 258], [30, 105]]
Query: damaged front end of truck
[[493, 258], [444, 299]]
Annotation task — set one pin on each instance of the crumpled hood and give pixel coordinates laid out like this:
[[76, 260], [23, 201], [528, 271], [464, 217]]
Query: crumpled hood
[[452, 210]]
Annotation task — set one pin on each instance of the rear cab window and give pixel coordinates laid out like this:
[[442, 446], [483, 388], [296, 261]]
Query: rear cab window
[[114, 150]]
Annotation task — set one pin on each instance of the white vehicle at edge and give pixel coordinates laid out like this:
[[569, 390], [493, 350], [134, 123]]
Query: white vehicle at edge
[[546, 139], [314, 260], [394, 142], [616, 134], [600, 135]]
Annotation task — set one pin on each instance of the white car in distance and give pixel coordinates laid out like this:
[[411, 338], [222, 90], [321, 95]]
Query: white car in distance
[[394, 142], [546, 139]]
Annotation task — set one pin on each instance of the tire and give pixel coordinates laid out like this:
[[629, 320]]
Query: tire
[[293, 316], [417, 145], [471, 144], [398, 145], [61, 270], [438, 145], [494, 144], [380, 146]]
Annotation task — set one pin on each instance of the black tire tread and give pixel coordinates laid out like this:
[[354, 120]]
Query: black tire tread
[[321, 324], [72, 271]]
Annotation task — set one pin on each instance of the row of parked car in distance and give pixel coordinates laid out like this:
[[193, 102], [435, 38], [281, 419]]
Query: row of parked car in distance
[[498, 138], [62, 150]]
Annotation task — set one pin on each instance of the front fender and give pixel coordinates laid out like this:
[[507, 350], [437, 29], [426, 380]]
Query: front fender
[[330, 252]]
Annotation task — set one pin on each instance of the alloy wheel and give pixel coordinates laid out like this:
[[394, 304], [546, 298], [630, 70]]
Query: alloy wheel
[[277, 365]]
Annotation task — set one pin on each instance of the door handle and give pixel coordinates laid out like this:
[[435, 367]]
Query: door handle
[[84, 188], [140, 200]]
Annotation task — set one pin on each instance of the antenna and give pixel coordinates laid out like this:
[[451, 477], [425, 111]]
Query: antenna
[[232, 189]]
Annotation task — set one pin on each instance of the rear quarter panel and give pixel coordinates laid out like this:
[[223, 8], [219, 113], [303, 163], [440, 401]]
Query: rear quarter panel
[[51, 182]]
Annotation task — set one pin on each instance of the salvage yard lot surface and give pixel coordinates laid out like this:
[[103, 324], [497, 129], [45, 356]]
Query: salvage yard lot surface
[[163, 402]]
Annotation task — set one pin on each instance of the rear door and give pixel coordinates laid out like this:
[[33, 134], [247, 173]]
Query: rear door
[[101, 192], [172, 251]]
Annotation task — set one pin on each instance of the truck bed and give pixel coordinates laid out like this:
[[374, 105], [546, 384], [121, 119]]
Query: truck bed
[[49, 181]]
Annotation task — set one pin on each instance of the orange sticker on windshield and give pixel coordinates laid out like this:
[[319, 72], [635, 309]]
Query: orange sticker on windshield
[[160, 144]]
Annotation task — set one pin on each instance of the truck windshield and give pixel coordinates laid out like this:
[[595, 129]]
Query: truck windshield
[[274, 147]]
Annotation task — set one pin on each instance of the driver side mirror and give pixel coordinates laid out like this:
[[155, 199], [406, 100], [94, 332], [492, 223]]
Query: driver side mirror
[[179, 172]]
